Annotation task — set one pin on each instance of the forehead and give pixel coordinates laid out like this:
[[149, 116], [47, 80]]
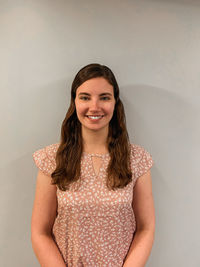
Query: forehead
[[95, 85]]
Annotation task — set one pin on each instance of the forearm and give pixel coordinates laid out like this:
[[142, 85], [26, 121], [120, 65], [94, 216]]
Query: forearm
[[140, 249], [47, 251]]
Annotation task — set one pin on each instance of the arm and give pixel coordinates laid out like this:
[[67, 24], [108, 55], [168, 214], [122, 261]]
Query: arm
[[43, 217], [145, 220]]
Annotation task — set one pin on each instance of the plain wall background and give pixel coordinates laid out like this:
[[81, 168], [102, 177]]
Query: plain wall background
[[153, 49]]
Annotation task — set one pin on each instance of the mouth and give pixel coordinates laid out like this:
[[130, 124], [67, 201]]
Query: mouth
[[95, 118]]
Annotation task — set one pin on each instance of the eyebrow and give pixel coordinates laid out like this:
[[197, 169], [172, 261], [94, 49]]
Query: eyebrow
[[83, 93]]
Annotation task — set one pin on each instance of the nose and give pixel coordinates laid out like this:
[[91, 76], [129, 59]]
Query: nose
[[94, 105]]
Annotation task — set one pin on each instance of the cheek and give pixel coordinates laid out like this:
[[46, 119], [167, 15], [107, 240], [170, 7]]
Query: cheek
[[80, 107], [110, 109]]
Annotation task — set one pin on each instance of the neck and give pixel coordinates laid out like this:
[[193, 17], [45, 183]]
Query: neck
[[95, 141]]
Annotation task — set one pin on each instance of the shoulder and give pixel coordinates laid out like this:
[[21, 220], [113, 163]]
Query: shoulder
[[51, 150], [44, 158], [141, 159], [47, 151], [137, 152]]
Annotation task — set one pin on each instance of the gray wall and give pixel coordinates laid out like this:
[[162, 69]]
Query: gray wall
[[153, 49]]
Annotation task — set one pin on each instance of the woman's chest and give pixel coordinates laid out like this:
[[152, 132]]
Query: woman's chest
[[90, 194]]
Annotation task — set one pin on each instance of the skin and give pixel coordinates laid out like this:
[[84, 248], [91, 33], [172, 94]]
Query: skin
[[143, 205], [94, 133]]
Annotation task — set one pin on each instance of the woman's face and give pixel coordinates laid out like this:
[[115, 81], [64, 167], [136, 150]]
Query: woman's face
[[95, 97]]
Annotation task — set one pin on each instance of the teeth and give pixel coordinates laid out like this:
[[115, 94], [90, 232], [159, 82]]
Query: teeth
[[95, 117]]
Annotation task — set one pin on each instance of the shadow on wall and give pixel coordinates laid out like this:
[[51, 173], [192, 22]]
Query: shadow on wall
[[181, 2], [165, 118], [166, 124]]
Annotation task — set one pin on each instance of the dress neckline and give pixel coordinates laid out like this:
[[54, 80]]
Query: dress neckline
[[96, 154]]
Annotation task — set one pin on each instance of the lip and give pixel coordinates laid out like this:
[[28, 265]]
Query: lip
[[94, 115], [94, 120]]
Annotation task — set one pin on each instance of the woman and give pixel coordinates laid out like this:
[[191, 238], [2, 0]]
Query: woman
[[86, 212]]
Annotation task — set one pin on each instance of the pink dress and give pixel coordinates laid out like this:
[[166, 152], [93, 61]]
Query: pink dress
[[94, 226]]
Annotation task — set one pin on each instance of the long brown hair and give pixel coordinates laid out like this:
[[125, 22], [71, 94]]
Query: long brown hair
[[68, 156]]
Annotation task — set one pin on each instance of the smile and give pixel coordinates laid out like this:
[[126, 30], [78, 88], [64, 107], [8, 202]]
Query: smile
[[95, 118]]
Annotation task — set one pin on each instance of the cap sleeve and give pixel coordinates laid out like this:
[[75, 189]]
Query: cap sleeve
[[141, 160], [44, 159]]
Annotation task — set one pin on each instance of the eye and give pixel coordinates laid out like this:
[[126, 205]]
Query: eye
[[83, 97], [106, 97]]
